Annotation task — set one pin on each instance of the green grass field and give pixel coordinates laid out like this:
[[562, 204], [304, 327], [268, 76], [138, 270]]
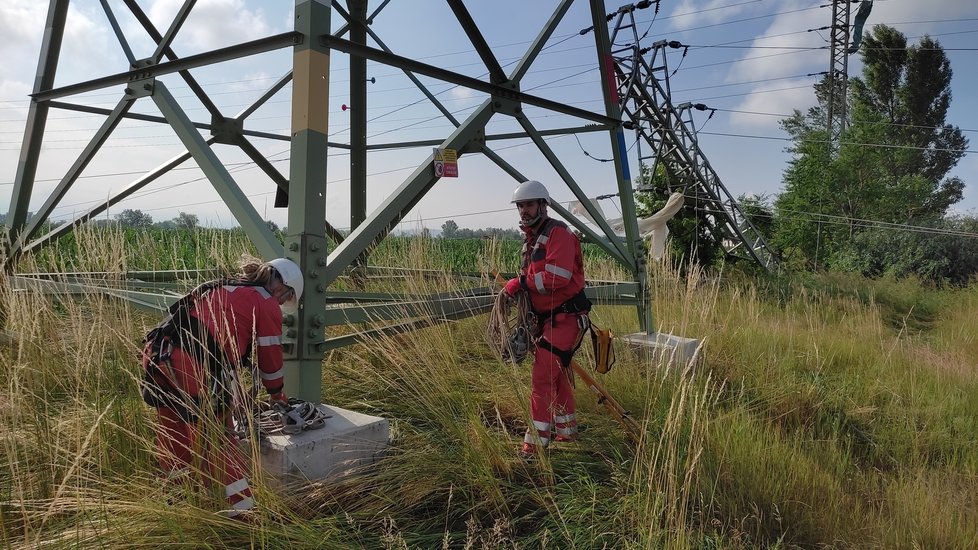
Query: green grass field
[[824, 411]]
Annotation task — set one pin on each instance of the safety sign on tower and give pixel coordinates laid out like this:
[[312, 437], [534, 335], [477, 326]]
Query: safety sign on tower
[[446, 163]]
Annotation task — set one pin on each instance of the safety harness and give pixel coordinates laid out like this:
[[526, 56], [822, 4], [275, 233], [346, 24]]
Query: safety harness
[[578, 305], [182, 330]]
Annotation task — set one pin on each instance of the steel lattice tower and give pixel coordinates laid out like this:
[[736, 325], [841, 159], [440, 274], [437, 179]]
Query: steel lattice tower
[[322, 252], [645, 97], [838, 73]]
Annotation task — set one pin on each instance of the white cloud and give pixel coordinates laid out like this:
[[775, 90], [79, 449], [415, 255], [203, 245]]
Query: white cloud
[[212, 23], [83, 49], [13, 98], [788, 87], [698, 12], [764, 57], [19, 23], [773, 98], [461, 92], [898, 12]]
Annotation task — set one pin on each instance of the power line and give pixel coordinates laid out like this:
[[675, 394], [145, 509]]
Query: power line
[[818, 217], [701, 99], [843, 143], [880, 122]]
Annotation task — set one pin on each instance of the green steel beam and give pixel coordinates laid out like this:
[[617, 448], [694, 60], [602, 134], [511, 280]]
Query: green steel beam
[[242, 209], [271, 91], [501, 91], [405, 310], [280, 181], [306, 241], [164, 275], [496, 74], [346, 26], [163, 45], [149, 301], [37, 116], [424, 89], [537, 46], [350, 339], [609, 91], [358, 115], [610, 294], [253, 47], [114, 23], [158, 38], [396, 307]]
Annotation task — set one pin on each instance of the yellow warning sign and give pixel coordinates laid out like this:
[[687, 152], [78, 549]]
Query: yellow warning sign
[[446, 163]]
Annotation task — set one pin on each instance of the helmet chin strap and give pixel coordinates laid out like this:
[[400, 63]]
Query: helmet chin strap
[[541, 214]]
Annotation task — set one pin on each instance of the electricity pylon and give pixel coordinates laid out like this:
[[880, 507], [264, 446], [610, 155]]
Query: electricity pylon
[[645, 96]]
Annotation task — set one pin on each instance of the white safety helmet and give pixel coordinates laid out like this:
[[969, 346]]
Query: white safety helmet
[[530, 190], [292, 277]]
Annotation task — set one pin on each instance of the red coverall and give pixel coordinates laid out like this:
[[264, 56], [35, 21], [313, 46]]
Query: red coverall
[[238, 317], [552, 273]]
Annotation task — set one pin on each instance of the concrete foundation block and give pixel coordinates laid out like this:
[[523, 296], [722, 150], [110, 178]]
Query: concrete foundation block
[[348, 441], [662, 348]]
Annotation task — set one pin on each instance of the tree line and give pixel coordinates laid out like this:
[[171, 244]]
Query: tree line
[[451, 230]]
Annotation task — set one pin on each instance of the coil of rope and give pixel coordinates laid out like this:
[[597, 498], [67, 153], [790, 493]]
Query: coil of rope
[[511, 327]]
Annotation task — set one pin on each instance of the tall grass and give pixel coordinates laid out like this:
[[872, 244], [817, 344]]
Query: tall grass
[[811, 417]]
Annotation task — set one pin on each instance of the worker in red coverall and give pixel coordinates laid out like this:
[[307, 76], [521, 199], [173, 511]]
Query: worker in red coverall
[[552, 273], [190, 362]]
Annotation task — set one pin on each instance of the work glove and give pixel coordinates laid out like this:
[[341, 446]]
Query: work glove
[[515, 285]]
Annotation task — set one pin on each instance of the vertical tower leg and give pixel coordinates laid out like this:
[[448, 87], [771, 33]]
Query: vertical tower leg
[[306, 239], [37, 117], [613, 110]]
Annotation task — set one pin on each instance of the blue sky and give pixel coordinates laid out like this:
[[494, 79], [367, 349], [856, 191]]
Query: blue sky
[[748, 60]]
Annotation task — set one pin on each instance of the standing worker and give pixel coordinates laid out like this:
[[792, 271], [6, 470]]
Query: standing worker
[[191, 360], [552, 274]]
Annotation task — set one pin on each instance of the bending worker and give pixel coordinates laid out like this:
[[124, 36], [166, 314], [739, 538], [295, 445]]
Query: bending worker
[[552, 274], [191, 361]]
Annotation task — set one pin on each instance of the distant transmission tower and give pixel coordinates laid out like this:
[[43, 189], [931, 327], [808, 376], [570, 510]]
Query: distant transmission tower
[[838, 74]]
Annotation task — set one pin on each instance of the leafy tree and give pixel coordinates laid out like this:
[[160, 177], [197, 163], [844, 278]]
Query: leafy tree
[[449, 229], [899, 106], [758, 209], [134, 218], [186, 221], [940, 256], [489, 233]]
